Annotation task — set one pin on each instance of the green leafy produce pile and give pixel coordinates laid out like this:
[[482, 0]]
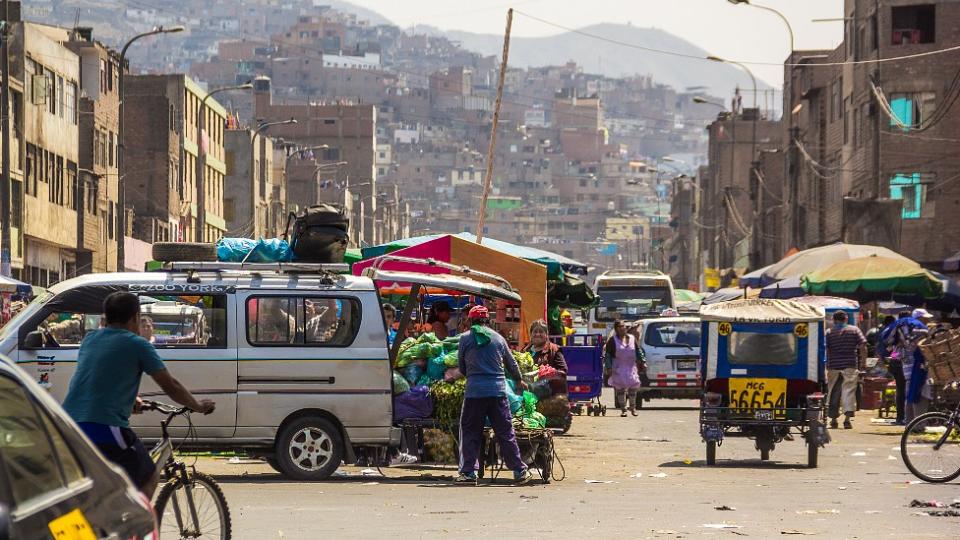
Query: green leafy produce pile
[[525, 361], [448, 400]]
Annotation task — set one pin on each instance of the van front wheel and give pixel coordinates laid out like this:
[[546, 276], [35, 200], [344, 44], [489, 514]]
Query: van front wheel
[[309, 448]]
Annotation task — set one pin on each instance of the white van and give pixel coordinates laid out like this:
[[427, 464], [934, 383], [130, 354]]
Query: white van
[[295, 356], [672, 349]]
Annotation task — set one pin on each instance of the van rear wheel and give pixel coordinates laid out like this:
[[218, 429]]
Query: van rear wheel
[[309, 448]]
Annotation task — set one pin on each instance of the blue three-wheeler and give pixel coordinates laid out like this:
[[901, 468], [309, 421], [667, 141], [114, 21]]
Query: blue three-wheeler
[[761, 364]]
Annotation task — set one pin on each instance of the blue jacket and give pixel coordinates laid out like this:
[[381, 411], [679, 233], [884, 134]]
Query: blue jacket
[[484, 365]]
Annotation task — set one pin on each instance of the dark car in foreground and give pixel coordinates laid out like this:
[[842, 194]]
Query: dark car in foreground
[[53, 482]]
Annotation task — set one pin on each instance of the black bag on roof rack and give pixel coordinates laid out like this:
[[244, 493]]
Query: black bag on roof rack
[[318, 234]]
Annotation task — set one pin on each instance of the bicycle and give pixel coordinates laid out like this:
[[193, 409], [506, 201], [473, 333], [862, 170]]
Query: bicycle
[[930, 445], [199, 508]]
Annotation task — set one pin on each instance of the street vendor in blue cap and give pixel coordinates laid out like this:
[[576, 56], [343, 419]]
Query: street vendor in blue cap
[[485, 359]]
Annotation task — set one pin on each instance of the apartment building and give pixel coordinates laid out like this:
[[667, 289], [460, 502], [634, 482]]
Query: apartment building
[[98, 172], [162, 144], [249, 202], [45, 165]]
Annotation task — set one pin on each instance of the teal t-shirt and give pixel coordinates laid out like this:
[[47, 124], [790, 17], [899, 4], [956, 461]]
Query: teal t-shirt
[[105, 385]]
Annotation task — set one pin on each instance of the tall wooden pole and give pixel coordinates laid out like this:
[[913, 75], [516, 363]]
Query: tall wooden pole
[[488, 180]]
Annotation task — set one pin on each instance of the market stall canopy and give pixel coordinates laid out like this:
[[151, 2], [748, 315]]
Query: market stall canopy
[[813, 259], [869, 276], [556, 264], [788, 288], [683, 296], [730, 293], [526, 277], [443, 282], [755, 278], [949, 301], [10, 285], [761, 310], [353, 255]]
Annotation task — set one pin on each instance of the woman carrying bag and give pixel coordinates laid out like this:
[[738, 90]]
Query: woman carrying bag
[[623, 365]]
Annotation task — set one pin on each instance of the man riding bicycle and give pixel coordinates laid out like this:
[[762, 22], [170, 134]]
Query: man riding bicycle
[[103, 391]]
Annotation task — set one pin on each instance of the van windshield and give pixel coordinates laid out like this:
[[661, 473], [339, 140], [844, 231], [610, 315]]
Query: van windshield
[[25, 314], [672, 334], [631, 303]]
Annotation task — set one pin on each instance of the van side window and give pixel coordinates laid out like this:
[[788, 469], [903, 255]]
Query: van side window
[[184, 321], [65, 329], [316, 321]]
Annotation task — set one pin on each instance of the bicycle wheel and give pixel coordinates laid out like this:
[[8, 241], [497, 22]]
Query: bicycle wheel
[[918, 446], [210, 506]]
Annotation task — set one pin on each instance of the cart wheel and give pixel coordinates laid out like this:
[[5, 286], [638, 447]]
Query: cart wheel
[[603, 410], [812, 455], [764, 454], [711, 453], [567, 422]]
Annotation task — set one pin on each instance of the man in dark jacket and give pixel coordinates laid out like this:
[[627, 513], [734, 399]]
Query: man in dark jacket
[[483, 355]]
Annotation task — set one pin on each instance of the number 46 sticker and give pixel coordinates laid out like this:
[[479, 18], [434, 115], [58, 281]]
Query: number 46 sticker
[[801, 330]]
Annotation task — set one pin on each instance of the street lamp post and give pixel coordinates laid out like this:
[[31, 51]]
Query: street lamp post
[[787, 111], [201, 165], [121, 150], [254, 185]]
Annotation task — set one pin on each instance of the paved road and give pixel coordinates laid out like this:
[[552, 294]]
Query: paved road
[[861, 490]]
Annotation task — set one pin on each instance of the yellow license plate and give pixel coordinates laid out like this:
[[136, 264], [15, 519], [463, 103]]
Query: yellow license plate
[[757, 396], [71, 526]]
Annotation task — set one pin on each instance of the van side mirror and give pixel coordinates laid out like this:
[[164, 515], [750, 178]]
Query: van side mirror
[[33, 340], [4, 522]]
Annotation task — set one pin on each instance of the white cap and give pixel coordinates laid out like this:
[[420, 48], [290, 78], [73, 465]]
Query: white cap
[[921, 313]]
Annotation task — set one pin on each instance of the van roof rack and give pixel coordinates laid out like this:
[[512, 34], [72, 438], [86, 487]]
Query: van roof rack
[[278, 267]]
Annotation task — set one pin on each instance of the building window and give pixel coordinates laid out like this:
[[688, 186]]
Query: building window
[[111, 145], [913, 24], [70, 102], [51, 91], [910, 111], [908, 188], [60, 96]]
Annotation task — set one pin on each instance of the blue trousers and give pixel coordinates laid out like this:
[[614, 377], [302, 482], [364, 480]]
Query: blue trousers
[[472, 417]]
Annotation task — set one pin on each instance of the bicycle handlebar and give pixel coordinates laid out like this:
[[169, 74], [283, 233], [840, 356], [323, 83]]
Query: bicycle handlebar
[[165, 408]]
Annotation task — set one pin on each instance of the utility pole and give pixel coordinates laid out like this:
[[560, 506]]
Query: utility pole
[[488, 180], [5, 134]]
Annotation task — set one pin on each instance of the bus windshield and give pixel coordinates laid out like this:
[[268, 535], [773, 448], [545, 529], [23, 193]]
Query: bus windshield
[[632, 302]]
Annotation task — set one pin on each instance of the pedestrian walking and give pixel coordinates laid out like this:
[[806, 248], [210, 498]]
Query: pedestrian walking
[[623, 363], [846, 356], [485, 359], [894, 366], [904, 340]]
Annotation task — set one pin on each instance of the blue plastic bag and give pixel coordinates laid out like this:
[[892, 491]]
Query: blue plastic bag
[[260, 251]]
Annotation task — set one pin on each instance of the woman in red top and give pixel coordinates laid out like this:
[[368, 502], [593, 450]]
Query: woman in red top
[[546, 353]]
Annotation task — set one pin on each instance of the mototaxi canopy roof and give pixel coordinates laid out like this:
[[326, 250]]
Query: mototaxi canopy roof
[[529, 279], [761, 310]]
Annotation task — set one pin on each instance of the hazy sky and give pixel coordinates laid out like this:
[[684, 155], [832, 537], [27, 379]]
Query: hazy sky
[[738, 32]]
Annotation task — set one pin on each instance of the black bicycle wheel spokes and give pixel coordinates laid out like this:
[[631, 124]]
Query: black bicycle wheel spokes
[[930, 447], [210, 506]]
